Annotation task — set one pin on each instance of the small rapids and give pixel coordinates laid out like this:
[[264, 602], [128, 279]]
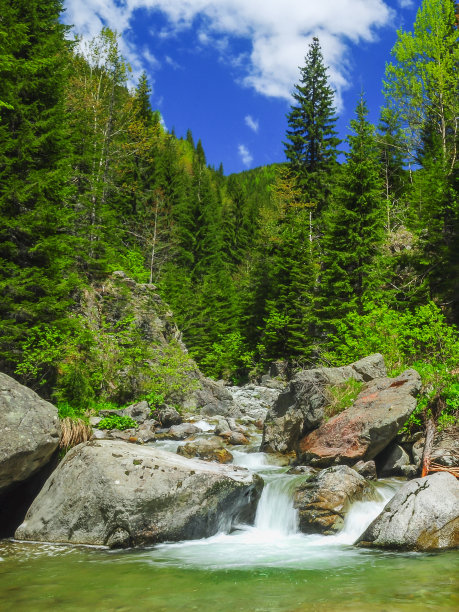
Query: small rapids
[[274, 539]]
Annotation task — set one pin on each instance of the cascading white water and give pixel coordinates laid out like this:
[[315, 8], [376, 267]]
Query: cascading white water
[[274, 540], [275, 511]]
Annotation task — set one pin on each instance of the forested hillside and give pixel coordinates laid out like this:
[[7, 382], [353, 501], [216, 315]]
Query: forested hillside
[[321, 259]]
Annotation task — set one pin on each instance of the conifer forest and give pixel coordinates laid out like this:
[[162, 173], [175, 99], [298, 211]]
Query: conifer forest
[[346, 248]]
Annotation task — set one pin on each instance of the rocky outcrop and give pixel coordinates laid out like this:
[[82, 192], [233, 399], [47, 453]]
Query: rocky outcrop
[[324, 498], [115, 494], [212, 398], [300, 407], [207, 449], [423, 515], [395, 461], [365, 429], [254, 401], [29, 432]]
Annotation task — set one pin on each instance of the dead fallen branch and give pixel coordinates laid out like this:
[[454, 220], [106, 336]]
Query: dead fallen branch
[[437, 467]]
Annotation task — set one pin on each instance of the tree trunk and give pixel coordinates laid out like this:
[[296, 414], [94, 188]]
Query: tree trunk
[[430, 432]]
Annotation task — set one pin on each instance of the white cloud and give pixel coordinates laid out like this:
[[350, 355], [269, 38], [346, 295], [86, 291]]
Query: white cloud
[[172, 63], [405, 3], [150, 59], [252, 123], [245, 155], [277, 32]]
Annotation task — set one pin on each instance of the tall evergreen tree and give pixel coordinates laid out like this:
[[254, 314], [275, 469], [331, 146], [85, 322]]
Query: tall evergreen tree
[[312, 141], [354, 227], [36, 251]]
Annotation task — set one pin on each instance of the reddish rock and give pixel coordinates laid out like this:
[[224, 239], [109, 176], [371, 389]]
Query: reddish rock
[[365, 429]]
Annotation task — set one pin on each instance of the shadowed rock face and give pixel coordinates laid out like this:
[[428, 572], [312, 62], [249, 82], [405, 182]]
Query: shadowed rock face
[[423, 515], [365, 429], [29, 432], [300, 407], [115, 494]]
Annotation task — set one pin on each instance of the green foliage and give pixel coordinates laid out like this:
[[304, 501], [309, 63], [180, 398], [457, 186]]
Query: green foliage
[[421, 339], [341, 397], [228, 358], [173, 374], [353, 229], [67, 411], [40, 352], [117, 422], [404, 338]]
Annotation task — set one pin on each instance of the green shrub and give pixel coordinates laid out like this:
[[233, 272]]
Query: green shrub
[[421, 339], [228, 357], [117, 422], [402, 337], [67, 411]]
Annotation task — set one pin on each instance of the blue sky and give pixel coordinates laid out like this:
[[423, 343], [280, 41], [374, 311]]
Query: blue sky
[[225, 69]]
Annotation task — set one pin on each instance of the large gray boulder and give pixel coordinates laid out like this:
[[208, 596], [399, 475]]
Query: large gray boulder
[[324, 498], [423, 515], [29, 432], [300, 407], [116, 494], [366, 428]]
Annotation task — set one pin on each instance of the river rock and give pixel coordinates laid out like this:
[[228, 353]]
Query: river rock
[[180, 432], [207, 449], [300, 407], [366, 428], [29, 432], [222, 426], [324, 498], [234, 437], [367, 469], [423, 515], [394, 461], [115, 494], [139, 411], [168, 416]]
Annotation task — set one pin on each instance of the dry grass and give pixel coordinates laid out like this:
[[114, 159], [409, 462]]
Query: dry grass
[[74, 432]]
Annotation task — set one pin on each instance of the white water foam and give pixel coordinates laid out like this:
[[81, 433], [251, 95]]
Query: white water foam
[[274, 539]]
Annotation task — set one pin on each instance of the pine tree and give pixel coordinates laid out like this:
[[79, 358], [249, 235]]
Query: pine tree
[[36, 242], [287, 308], [312, 143], [354, 228]]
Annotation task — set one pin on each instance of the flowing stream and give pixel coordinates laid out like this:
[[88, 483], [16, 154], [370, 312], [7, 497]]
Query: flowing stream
[[268, 566]]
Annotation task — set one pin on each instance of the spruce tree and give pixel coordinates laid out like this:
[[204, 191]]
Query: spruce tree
[[312, 143], [354, 228], [36, 243]]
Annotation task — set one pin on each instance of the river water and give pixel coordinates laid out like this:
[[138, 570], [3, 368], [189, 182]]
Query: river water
[[268, 566]]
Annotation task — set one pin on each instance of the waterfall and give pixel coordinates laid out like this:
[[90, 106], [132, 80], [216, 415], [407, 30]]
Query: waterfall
[[275, 511]]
